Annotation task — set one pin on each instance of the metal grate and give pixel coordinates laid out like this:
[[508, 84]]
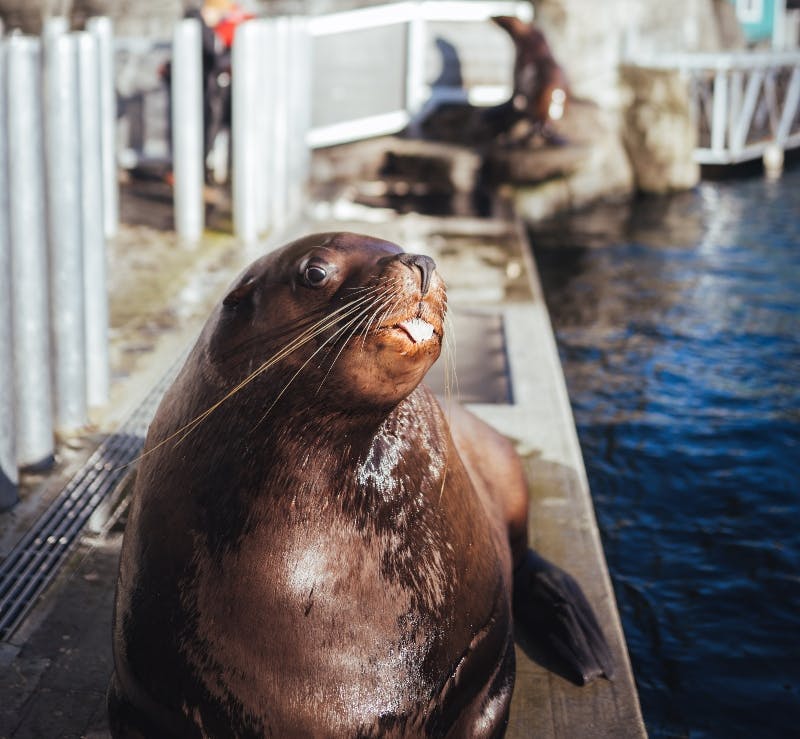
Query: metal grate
[[35, 560]]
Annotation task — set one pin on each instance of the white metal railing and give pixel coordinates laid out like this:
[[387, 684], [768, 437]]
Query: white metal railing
[[415, 16], [743, 102]]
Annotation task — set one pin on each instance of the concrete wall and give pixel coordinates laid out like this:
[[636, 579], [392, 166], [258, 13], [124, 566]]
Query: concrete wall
[[591, 39]]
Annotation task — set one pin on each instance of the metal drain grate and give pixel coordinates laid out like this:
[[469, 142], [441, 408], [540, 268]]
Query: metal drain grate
[[35, 560]]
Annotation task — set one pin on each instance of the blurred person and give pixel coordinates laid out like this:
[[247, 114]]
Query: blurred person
[[218, 20]]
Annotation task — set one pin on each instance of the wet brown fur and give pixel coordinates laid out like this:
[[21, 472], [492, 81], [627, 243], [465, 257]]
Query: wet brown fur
[[537, 75]]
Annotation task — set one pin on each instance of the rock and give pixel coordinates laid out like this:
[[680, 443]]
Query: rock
[[590, 167], [658, 130]]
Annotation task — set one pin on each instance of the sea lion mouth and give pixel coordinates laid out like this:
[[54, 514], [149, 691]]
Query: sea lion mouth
[[417, 329]]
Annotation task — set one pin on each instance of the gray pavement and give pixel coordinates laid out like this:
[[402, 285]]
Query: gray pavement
[[55, 669]]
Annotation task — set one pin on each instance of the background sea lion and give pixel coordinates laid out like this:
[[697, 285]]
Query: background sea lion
[[540, 85], [315, 546]]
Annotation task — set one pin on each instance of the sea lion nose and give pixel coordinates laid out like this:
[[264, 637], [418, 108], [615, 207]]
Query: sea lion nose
[[424, 264]]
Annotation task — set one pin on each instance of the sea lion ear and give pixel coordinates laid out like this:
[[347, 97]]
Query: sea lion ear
[[240, 292]]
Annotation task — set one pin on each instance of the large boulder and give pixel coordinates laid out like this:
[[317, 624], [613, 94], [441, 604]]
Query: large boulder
[[659, 132]]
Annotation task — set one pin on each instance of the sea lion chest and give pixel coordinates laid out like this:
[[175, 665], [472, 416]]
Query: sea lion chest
[[360, 583]]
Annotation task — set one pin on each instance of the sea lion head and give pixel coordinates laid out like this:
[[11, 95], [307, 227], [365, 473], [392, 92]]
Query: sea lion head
[[345, 317]]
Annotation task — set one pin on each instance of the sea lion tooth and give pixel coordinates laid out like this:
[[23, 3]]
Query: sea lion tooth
[[417, 329]]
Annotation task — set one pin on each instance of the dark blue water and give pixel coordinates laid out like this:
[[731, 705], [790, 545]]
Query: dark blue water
[[678, 323]]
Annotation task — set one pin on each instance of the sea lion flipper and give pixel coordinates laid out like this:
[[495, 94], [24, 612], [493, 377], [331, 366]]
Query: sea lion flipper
[[550, 605]]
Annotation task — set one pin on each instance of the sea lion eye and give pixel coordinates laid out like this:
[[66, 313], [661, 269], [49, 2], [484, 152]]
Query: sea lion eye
[[315, 275]]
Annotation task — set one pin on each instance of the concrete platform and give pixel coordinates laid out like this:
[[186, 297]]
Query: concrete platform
[[54, 668]]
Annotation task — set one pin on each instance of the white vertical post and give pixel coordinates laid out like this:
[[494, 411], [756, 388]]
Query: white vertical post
[[299, 87], [779, 25], [719, 115], [34, 420], [245, 75], [103, 31], [280, 142], [736, 101], [415, 65], [54, 26], [187, 129], [65, 234], [8, 451], [263, 122], [94, 243], [771, 98], [306, 85]]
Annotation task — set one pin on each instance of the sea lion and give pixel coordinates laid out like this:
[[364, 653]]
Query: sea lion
[[315, 545], [540, 91]]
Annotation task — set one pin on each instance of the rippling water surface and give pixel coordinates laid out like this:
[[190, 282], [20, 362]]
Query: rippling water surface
[[678, 323]]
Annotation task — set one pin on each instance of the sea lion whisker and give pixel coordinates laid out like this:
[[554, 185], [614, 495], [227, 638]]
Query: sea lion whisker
[[310, 333], [298, 341], [378, 308], [450, 380], [360, 304], [450, 374], [343, 312], [362, 314], [390, 308], [332, 337], [362, 319], [292, 331], [394, 290], [300, 330], [364, 288], [356, 327]]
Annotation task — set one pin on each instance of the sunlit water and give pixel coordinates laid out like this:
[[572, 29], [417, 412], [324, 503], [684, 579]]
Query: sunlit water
[[678, 323]]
